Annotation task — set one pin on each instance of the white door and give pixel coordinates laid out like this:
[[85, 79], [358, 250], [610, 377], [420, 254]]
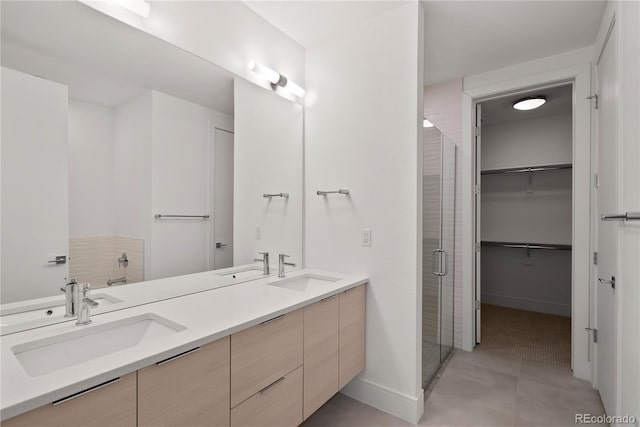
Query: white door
[[222, 199], [608, 231], [478, 239], [35, 202]]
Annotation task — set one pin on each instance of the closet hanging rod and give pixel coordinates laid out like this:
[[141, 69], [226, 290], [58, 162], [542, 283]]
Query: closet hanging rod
[[527, 169], [528, 245], [160, 216]]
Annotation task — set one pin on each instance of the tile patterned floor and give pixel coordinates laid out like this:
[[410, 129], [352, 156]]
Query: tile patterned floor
[[481, 388]]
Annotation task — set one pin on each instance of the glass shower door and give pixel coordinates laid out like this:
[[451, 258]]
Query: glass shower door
[[438, 251]]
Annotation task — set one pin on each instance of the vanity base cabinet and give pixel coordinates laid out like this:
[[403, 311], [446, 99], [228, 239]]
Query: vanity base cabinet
[[320, 353], [189, 390], [113, 404], [264, 353], [279, 404], [352, 334]]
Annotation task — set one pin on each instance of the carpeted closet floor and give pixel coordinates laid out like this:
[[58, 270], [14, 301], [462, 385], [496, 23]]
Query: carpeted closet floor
[[533, 336]]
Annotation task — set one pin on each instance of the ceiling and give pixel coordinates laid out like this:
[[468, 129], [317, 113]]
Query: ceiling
[[500, 110], [102, 60], [311, 21], [462, 38]]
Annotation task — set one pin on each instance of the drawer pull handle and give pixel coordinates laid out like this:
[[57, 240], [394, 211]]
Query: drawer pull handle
[[83, 392], [274, 319], [272, 385], [177, 356]]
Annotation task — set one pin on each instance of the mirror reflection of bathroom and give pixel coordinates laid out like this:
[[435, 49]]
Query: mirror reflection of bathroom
[[524, 217], [147, 162]]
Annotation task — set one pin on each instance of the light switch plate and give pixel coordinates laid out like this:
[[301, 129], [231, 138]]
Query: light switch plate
[[258, 232], [365, 237]]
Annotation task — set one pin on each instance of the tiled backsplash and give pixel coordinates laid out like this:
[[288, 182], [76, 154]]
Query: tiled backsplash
[[95, 259]]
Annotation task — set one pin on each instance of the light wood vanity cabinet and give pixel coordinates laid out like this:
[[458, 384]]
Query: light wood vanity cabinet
[[112, 404], [279, 404], [275, 373], [352, 334], [191, 389], [263, 354], [321, 328]]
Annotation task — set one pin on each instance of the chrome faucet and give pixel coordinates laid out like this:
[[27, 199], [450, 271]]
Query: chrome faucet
[[265, 262], [86, 303], [70, 290], [281, 264]]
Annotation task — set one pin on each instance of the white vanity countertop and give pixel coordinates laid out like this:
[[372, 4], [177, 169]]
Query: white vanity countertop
[[207, 316]]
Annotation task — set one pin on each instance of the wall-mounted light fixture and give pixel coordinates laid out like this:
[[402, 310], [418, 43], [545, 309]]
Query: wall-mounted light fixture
[[529, 103], [276, 79], [139, 7], [427, 124]]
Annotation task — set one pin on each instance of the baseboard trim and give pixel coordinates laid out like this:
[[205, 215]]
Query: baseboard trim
[[528, 304], [387, 400]]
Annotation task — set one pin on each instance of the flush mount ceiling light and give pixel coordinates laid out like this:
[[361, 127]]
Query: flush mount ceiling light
[[276, 79], [529, 103], [427, 124]]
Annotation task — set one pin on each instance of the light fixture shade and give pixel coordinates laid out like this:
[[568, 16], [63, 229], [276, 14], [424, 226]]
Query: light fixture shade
[[295, 89], [427, 124], [529, 103], [139, 7], [265, 72]]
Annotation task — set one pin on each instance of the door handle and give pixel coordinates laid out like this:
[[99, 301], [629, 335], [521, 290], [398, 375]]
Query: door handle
[[627, 216], [611, 282], [220, 245], [60, 259], [440, 273]]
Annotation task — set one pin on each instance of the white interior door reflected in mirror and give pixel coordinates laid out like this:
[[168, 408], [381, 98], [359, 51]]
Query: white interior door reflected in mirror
[[35, 193], [222, 184], [268, 159]]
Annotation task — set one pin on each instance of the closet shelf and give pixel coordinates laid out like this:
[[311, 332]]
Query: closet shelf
[[526, 169], [554, 246]]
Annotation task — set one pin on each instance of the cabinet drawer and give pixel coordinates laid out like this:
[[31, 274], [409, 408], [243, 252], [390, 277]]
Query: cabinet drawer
[[190, 390], [352, 330], [278, 404], [264, 353], [320, 353], [113, 404]]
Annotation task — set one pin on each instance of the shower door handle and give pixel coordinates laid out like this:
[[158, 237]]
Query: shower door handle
[[444, 256]]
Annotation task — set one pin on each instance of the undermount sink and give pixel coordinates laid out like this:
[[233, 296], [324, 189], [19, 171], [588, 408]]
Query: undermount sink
[[47, 310], [52, 354], [303, 282]]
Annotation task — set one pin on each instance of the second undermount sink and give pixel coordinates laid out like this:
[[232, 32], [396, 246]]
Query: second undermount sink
[[51, 354], [303, 282]]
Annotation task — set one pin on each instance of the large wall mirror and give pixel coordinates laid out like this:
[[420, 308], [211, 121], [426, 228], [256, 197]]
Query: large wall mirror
[[127, 161]]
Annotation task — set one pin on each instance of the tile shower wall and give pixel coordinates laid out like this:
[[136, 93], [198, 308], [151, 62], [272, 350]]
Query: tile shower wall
[[95, 259]]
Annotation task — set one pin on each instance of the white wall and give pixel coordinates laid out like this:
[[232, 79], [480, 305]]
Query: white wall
[[91, 143], [132, 170], [268, 156], [541, 141], [180, 149], [363, 126], [227, 33]]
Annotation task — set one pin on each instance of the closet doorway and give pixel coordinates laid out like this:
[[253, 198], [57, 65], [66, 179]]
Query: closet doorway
[[438, 250], [524, 224]]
